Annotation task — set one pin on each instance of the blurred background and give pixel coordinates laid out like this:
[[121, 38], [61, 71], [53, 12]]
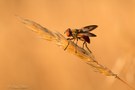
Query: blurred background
[[30, 63]]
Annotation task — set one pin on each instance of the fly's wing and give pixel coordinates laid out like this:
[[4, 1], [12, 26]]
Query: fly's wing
[[84, 37], [86, 34], [89, 28], [92, 35]]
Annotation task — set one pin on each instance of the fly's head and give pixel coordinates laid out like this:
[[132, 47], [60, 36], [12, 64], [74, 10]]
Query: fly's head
[[68, 32]]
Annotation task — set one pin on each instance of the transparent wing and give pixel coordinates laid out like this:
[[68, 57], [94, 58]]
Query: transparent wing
[[89, 28], [86, 34]]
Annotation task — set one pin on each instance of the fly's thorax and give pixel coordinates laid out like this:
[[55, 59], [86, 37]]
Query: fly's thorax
[[75, 32]]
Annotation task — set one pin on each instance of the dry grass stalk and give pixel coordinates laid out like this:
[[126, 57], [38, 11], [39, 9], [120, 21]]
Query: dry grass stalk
[[61, 41]]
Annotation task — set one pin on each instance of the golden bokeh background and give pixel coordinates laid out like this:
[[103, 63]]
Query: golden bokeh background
[[30, 63]]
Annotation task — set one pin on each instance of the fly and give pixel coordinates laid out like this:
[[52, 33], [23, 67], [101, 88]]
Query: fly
[[82, 34]]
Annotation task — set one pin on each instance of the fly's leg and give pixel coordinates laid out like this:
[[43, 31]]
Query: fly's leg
[[68, 43], [76, 44], [83, 44], [87, 48], [66, 46]]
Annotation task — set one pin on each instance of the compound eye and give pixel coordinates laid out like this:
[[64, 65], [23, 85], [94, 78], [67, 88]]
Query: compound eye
[[68, 32]]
